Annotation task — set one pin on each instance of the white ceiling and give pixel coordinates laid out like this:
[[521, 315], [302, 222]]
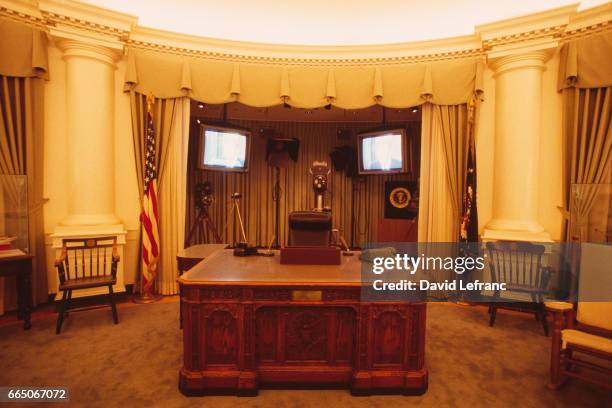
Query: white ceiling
[[327, 22]]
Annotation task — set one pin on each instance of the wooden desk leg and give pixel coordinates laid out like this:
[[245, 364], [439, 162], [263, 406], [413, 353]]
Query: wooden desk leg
[[24, 296]]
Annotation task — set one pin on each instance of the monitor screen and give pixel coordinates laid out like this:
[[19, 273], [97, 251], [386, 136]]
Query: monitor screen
[[224, 149], [382, 152]]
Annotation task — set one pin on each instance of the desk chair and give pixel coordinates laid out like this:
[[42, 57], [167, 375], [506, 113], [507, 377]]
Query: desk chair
[[86, 263]]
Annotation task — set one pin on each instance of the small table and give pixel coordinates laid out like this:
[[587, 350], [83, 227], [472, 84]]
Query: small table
[[20, 266]]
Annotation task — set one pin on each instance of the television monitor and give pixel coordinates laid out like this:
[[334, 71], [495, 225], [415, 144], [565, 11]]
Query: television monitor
[[383, 152], [224, 148]]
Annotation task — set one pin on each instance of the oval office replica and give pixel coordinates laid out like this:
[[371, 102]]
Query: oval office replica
[[341, 203]]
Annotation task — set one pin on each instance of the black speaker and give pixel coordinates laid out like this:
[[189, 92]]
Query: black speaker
[[281, 151], [401, 199], [344, 158], [345, 134]]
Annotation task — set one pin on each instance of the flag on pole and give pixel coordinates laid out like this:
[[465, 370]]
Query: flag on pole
[[149, 215], [469, 225]]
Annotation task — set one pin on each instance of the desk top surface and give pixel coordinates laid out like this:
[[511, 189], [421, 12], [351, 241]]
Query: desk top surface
[[222, 267], [200, 251]]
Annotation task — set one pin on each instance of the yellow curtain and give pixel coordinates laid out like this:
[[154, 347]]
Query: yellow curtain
[[437, 214], [586, 62], [172, 198], [453, 125], [303, 86], [21, 152], [23, 50], [587, 149], [163, 115], [363, 194]]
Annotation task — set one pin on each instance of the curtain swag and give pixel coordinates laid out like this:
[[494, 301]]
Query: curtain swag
[[586, 63], [23, 50], [260, 85]]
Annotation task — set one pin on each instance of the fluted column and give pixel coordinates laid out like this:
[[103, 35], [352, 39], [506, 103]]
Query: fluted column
[[90, 133], [518, 99]]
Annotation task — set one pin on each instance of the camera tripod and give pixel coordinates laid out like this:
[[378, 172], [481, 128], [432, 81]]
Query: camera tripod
[[203, 227]]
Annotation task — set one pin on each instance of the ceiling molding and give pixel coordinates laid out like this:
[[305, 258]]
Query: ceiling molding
[[70, 18]]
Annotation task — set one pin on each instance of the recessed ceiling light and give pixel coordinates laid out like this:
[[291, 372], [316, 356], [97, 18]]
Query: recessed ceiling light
[[201, 105], [415, 109], [199, 121]]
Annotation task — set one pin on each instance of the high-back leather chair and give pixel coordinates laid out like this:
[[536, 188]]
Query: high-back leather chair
[[310, 229], [86, 263]]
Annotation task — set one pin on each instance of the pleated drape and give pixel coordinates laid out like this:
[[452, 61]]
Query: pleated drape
[[587, 149], [363, 195], [452, 123], [163, 112], [172, 198], [21, 152], [437, 214], [163, 115]]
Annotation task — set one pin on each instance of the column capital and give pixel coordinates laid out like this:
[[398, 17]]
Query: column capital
[[84, 49], [519, 60]]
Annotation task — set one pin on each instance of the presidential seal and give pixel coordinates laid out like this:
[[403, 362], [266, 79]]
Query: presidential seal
[[399, 197]]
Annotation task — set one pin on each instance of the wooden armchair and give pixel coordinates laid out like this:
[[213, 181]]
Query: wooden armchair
[[86, 263], [519, 265], [587, 333]]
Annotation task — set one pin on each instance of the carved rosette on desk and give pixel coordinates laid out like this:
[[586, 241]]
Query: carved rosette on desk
[[241, 336]]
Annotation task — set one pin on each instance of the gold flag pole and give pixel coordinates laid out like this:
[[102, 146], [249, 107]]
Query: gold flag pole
[[146, 294]]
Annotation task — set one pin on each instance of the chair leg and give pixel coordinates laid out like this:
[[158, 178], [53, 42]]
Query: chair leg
[[542, 313], [68, 299], [493, 315], [61, 311], [111, 297]]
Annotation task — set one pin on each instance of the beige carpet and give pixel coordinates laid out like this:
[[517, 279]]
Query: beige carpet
[[136, 363]]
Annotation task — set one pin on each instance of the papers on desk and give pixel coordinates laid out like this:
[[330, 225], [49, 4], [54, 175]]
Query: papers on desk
[[6, 253]]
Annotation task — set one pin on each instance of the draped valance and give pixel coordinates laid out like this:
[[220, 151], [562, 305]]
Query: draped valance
[[23, 50], [586, 62], [303, 86]]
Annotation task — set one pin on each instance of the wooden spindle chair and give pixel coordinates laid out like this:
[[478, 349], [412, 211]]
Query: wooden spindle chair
[[519, 265], [86, 263]]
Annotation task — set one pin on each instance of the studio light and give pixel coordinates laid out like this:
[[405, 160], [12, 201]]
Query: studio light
[[201, 105]]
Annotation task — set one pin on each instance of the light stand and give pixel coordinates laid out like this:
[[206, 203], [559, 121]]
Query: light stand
[[241, 248]]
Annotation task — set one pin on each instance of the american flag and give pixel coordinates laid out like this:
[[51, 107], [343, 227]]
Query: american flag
[[149, 215]]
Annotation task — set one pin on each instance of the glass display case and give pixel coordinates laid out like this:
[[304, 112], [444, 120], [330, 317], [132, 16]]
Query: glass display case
[[591, 213], [13, 214]]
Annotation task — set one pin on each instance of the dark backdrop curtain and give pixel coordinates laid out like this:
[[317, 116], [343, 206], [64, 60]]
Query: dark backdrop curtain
[[21, 152], [317, 140]]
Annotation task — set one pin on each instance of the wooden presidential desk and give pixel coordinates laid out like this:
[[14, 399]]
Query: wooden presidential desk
[[251, 322]]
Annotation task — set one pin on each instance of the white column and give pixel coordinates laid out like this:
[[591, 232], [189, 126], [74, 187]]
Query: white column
[[90, 104], [518, 96], [90, 124]]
